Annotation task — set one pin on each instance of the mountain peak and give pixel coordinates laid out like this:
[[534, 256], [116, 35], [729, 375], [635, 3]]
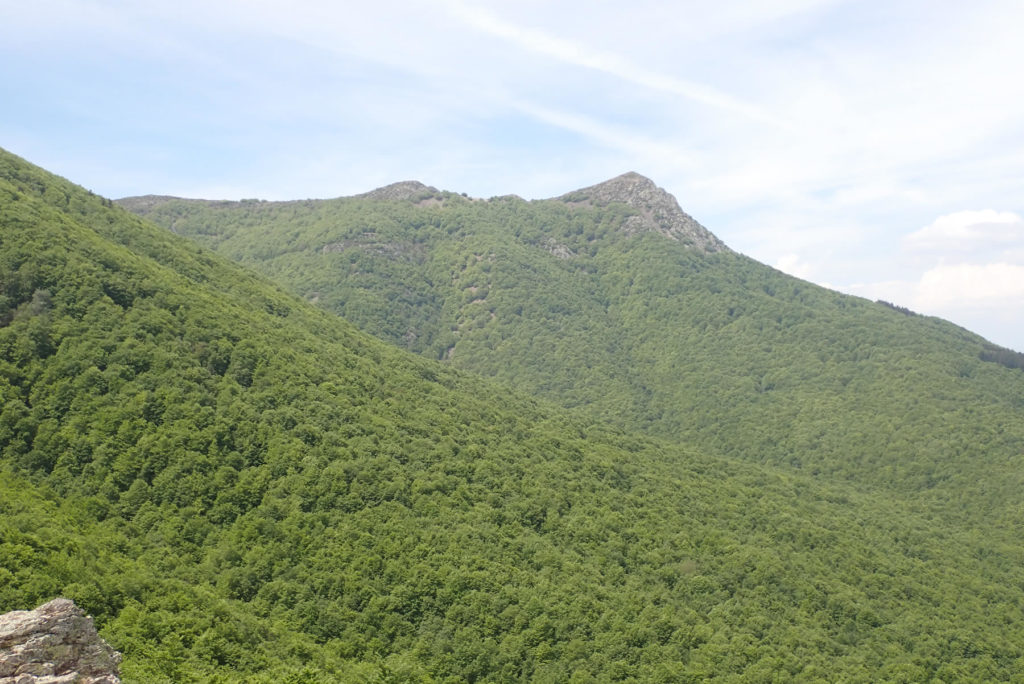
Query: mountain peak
[[659, 210], [402, 190], [630, 179]]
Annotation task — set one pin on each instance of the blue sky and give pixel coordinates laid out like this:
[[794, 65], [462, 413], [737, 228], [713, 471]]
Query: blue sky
[[873, 147]]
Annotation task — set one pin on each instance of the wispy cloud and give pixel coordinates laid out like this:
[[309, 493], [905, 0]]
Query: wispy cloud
[[853, 141], [611, 136], [578, 54]]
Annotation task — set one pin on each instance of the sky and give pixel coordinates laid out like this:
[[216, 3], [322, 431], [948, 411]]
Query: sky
[[873, 147]]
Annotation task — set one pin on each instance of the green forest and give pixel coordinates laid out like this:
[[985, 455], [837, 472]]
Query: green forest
[[560, 299], [640, 463]]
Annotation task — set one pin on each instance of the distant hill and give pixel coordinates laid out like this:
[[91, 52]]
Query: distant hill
[[241, 487], [613, 299]]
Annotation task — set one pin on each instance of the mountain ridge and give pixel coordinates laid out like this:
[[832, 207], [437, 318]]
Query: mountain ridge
[[658, 211], [561, 299]]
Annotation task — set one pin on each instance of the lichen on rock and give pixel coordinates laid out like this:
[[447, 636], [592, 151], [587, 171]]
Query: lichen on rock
[[56, 643]]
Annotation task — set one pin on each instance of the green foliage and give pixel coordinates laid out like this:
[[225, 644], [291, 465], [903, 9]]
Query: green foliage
[[241, 487], [1002, 356], [645, 333]]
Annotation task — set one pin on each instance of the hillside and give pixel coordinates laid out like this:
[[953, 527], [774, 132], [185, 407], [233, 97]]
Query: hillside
[[613, 300], [241, 487]]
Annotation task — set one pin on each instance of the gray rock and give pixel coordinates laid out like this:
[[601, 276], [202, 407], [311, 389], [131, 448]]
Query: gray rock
[[558, 249], [657, 210], [56, 643]]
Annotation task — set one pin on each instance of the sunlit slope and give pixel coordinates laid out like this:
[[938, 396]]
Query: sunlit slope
[[611, 298], [243, 488]]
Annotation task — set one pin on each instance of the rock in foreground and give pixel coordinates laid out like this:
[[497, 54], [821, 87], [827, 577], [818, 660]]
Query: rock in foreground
[[56, 643]]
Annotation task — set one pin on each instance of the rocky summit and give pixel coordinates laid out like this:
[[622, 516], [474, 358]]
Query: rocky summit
[[56, 643], [659, 210]]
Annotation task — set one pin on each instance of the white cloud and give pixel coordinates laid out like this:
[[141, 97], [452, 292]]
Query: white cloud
[[970, 285], [896, 291], [963, 230], [987, 298], [966, 267], [794, 266]]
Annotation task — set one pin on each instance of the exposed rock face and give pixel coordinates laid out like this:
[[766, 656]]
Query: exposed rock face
[[558, 249], [401, 250], [54, 644], [659, 211]]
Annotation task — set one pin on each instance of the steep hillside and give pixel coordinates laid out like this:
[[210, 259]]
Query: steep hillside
[[613, 299], [243, 488]]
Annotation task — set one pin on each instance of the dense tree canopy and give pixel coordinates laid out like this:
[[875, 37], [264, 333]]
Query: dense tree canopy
[[242, 487], [562, 300]]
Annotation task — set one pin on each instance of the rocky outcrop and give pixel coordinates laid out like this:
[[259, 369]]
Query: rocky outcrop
[[657, 210], [56, 643], [401, 250], [558, 249]]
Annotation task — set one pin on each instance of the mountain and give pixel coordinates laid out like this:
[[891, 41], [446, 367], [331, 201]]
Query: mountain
[[614, 301], [656, 210], [239, 486]]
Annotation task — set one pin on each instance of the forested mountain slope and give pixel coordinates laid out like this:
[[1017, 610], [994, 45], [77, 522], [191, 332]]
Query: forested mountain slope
[[240, 487], [613, 299]]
